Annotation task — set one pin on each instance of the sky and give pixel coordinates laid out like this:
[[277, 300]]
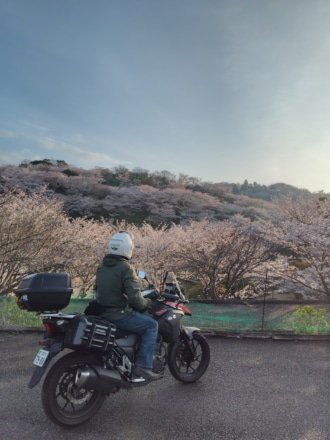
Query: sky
[[221, 90]]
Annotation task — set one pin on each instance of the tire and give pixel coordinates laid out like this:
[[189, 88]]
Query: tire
[[186, 367], [64, 403]]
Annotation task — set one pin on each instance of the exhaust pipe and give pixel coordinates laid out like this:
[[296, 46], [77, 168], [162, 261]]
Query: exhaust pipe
[[99, 379]]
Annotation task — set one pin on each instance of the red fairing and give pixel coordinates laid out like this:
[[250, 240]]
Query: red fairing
[[185, 309], [178, 306]]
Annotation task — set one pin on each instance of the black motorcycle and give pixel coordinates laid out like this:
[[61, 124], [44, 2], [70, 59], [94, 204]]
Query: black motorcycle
[[101, 357]]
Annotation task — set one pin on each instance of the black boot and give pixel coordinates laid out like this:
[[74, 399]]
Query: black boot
[[147, 373]]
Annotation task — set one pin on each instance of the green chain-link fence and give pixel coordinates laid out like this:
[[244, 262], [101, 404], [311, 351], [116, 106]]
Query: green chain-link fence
[[257, 316], [218, 316]]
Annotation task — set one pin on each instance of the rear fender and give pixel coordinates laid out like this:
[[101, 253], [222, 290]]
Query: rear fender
[[54, 349]]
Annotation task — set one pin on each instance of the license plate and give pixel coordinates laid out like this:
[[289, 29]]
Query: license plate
[[41, 358]]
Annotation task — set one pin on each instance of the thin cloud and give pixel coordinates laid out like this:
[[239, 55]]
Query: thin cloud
[[9, 134], [35, 126], [79, 155], [15, 157]]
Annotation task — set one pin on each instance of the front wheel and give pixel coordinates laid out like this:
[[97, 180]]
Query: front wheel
[[188, 364], [65, 403]]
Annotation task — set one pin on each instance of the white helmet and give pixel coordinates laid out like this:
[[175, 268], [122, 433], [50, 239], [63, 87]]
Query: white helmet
[[122, 244]]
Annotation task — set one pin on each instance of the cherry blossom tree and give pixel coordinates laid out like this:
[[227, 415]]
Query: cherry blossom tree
[[302, 228], [32, 236], [36, 236], [155, 251], [220, 255], [86, 250]]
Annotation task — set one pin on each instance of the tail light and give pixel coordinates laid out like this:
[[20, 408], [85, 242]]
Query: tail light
[[55, 327], [48, 328]]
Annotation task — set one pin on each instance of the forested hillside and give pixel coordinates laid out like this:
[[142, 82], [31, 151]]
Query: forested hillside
[[54, 217], [140, 195]]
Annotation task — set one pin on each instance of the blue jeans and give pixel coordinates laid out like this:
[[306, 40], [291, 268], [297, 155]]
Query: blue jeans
[[148, 329]]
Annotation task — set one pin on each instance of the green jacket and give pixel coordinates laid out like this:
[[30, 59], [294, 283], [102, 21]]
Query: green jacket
[[118, 287]]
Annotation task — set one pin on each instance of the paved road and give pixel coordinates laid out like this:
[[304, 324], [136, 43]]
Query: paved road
[[253, 390]]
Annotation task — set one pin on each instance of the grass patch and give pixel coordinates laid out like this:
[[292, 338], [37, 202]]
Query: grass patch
[[10, 314], [77, 305]]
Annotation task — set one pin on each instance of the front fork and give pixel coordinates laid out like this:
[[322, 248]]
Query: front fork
[[186, 334]]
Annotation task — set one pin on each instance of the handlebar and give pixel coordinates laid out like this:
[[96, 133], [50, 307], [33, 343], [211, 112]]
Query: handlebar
[[170, 290], [174, 297], [153, 294]]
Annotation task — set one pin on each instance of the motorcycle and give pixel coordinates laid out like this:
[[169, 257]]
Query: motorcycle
[[101, 357]]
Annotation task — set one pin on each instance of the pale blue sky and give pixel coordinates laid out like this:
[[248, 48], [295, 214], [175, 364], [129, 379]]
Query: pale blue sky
[[223, 90]]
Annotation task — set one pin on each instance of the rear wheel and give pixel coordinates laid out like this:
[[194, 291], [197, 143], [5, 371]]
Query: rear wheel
[[188, 364], [65, 403]]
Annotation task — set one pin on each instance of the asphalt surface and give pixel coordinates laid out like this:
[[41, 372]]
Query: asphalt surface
[[253, 390]]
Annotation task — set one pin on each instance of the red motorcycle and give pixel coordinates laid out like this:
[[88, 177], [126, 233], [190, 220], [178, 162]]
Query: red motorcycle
[[101, 357]]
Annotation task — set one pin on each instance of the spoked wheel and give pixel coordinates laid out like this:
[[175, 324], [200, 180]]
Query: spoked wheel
[[65, 403], [189, 364]]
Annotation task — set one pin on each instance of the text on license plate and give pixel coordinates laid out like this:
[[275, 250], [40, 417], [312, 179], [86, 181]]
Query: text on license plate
[[41, 358]]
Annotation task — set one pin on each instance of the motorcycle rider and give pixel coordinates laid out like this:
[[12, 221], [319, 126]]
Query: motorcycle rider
[[119, 289]]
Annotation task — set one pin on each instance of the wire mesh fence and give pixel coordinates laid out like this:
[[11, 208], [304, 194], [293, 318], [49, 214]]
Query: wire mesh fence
[[259, 316], [234, 316]]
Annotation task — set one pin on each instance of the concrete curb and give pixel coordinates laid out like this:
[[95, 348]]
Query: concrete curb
[[209, 334], [267, 336], [21, 329]]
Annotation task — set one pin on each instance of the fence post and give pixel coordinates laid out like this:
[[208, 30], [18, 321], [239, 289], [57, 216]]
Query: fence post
[[264, 303]]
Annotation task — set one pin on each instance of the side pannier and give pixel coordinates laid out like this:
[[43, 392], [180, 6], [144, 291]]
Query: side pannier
[[90, 332]]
